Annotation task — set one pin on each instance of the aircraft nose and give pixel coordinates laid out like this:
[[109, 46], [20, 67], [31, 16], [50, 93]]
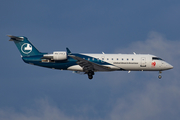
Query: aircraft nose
[[169, 66]]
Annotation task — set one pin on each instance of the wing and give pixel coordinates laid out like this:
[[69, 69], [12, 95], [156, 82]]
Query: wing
[[87, 65]]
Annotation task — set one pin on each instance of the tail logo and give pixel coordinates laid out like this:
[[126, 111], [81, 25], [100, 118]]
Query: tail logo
[[26, 48]]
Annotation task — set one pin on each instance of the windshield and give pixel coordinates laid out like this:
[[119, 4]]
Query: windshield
[[156, 58]]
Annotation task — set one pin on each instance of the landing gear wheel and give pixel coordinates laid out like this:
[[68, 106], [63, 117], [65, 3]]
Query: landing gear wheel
[[159, 76], [90, 74]]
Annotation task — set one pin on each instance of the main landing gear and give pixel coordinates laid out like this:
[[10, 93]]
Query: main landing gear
[[160, 75], [90, 74]]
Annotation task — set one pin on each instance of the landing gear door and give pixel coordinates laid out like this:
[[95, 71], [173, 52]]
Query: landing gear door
[[143, 62]]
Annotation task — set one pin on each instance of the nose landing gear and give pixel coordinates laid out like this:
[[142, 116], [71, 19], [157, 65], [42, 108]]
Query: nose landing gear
[[160, 75]]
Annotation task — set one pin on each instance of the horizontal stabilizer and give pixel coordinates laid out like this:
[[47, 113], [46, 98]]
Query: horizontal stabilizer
[[15, 38]]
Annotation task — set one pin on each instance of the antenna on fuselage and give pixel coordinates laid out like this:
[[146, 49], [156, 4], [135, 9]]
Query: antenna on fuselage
[[134, 53]]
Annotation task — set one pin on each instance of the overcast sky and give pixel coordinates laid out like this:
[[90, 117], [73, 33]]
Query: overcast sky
[[143, 26]]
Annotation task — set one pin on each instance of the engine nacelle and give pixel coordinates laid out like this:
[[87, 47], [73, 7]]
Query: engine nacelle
[[59, 55]]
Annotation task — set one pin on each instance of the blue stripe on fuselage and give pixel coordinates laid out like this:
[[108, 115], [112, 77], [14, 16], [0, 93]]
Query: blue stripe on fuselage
[[36, 60]]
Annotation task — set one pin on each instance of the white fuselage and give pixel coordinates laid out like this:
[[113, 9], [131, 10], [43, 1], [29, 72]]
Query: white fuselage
[[129, 62]]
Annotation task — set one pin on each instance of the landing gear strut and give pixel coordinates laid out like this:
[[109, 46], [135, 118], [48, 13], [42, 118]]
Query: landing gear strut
[[160, 75], [90, 74]]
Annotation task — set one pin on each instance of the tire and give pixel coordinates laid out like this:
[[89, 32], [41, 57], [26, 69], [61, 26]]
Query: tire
[[159, 76], [90, 76]]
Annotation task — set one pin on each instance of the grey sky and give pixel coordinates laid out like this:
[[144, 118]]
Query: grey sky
[[30, 92]]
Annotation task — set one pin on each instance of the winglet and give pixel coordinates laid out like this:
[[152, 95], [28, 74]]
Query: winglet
[[68, 51]]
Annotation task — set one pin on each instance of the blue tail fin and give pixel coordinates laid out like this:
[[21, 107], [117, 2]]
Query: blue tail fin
[[25, 47]]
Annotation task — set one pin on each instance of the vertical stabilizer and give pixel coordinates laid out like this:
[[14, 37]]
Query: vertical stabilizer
[[25, 47]]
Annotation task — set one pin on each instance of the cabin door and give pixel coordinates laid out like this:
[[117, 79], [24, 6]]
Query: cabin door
[[143, 62]]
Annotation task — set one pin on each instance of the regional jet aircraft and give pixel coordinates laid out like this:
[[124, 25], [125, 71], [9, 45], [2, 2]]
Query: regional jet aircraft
[[89, 63]]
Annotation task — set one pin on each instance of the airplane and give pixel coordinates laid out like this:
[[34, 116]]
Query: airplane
[[88, 63]]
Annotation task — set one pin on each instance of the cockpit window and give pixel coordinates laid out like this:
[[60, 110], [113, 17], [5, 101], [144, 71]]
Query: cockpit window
[[156, 58]]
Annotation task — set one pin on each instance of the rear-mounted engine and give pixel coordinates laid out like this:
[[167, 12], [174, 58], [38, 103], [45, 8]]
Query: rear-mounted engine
[[59, 55], [56, 56]]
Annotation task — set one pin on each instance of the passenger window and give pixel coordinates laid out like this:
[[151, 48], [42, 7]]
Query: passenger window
[[117, 59], [112, 58], [122, 59], [127, 59], [107, 59], [132, 59]]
